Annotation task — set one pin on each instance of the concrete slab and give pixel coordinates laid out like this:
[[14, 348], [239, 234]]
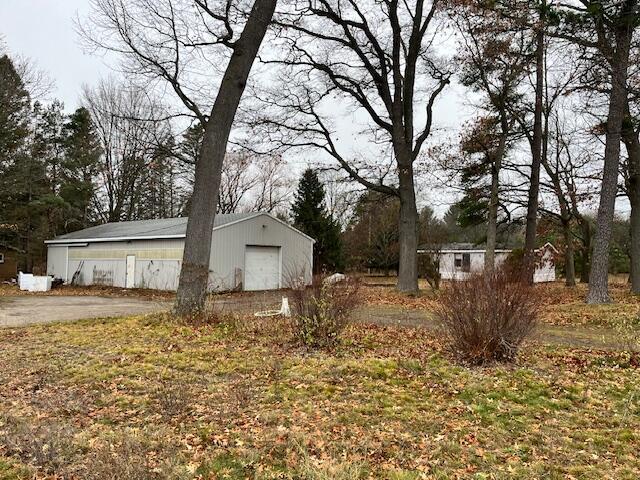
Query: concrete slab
[[31, 309]]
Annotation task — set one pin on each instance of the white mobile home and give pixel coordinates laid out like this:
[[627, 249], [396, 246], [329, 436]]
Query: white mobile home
[[250, 251], [460, 260]]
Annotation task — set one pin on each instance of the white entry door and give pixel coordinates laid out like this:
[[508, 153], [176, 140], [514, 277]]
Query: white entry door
[[130, 279], [261, 268]]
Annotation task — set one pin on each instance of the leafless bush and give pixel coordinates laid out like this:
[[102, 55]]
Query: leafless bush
[[628, 330], [48, 445], [174, 398], [134, 456], [322, 311], [486, 317]]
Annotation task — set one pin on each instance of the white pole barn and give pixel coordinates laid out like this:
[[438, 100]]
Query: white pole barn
[[250, 251]]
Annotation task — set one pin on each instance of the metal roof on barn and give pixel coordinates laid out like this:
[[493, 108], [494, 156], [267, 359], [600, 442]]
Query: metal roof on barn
[[147, 229]]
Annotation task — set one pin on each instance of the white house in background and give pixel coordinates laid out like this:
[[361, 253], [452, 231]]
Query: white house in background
[[250, 251], [545, 264], [458, 261]]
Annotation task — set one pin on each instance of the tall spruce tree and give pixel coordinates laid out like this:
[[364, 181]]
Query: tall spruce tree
[[14, 110], [310, 216], [82, 154], [14, 131]]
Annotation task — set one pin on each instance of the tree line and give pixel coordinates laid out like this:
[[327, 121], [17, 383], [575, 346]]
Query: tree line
[[115, 158]]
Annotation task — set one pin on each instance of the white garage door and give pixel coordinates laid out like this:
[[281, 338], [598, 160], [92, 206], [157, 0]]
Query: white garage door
[[262, 268]]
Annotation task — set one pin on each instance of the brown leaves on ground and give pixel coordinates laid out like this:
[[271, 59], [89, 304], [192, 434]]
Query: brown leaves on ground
[[7, 290], [238, 400], [560, 305], [566, 306], [389, 296]]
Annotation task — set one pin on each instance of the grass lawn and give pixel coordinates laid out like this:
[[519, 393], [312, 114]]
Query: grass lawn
[[144, 398]]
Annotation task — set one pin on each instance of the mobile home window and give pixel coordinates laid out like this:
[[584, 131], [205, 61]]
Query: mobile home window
[[466, 262], [462, 261]]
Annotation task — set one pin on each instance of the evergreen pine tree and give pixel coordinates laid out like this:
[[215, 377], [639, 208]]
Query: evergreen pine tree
[[14, 111], [311, 217], [80, 165], [15, 106]]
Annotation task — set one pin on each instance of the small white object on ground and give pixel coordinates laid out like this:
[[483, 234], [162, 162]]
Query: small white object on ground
[[285, 311], [40, 284], [25, 280], [335, 278], [32, 283]]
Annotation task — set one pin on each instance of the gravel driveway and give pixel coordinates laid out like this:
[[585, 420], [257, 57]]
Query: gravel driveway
[[30, 310]]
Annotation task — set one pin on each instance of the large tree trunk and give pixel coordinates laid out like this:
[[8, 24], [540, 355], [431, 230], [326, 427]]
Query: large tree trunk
[[408, 229], [632, 144], [634, 197], [599, 276], [492, 222], [494, 199], [585, 261], [536, 153], [569, 256], [194, 276]]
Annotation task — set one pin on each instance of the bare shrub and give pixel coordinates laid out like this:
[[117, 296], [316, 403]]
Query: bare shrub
[[486, 317], [134, 455], [174, 398], [47, 445], [321, 311], [628, 330]]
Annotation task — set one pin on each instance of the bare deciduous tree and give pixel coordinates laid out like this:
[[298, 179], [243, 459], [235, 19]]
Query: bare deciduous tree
[[604, 30], [127, 144], [570, 179], [274, 185], [237, 181], [631, 175], [379, 60], [169, 41]]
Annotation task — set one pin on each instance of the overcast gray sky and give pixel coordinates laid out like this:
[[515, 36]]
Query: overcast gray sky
[[43, 30]]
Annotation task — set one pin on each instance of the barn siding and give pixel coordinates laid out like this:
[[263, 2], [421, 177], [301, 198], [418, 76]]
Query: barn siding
[[57, 261], [229, 245], [158, 262], [104, 263]]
